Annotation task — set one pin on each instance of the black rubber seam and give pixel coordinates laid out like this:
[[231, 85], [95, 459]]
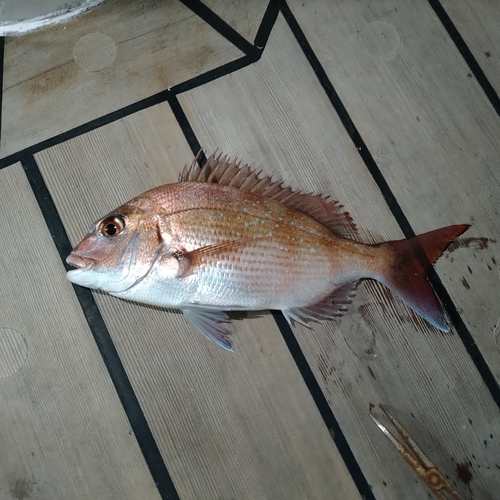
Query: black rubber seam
[[145, 103], [314, 388], [2, 53], [324, 408], [299, 358], [223, 28], [267, 24], [464, 50], [462, 330], [253, 55], [107, 349]]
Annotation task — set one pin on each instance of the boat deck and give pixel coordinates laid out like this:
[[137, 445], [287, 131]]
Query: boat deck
[[392, 108]]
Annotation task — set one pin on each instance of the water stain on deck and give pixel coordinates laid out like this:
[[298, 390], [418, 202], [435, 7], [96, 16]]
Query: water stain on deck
[[464, 473], [477, 243], [324, 369], [465, 283], [22, 489]]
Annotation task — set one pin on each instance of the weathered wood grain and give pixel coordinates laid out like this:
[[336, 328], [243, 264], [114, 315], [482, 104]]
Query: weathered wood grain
[[63, 431], [229, 425], [433, 134], [244, 17], [478, 24], [276, 114], [116, 54]]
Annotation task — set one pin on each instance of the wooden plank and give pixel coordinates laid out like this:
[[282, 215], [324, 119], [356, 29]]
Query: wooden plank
[[478, 25], [229, 425], [434, 135], [276, 114], [63, 431], [244, 17], [63, 76]]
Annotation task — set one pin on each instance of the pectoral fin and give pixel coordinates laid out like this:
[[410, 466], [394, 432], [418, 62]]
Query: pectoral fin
[[208, 322], [190, 262]]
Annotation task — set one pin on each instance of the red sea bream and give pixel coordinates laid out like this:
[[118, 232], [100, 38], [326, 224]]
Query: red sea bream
[[225, 238]]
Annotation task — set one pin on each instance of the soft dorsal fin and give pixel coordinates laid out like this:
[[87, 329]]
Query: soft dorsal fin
[[222, 170]]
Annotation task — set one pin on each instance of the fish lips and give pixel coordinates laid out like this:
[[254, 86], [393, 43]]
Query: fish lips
[[80, 275], [80, 263], [89, 275]]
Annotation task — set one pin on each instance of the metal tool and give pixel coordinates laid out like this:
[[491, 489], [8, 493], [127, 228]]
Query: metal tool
[[415, 457]]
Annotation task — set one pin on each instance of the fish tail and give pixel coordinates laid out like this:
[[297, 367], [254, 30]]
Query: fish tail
[[407, 262]]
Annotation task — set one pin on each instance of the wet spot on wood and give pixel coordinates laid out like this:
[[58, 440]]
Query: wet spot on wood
[[49, 82], [22, 489], [476, 243], [324, 369], [464, 473]]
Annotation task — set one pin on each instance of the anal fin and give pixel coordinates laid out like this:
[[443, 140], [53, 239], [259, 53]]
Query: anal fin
[[209, 323], [332, 305]]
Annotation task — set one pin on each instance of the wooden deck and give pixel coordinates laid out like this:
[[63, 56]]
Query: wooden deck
[[391, 108]]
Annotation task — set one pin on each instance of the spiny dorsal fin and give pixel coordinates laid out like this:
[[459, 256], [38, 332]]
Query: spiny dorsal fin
[[222, 170]]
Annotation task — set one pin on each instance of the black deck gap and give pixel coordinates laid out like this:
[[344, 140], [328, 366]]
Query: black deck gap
[[2, 53], [462, 330], [466, 53], [299, 358], [128, 110], [102, 338], [324, 408], [223, 28], [185, 126], [267, 24]]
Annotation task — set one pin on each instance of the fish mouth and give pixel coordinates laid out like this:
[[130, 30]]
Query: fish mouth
[[81, 263]]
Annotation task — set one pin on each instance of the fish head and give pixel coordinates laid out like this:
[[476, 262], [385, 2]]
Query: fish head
[[118, 251]]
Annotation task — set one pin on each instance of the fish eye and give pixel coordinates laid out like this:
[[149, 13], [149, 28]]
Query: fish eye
[[112, 226]]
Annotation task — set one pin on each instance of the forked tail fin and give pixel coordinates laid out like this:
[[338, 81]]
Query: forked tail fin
[[408, 260]]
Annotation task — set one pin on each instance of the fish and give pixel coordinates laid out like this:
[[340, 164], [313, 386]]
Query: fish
[[227, 237]]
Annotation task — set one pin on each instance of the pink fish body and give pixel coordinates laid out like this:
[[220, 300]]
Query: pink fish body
[[225, 239]]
